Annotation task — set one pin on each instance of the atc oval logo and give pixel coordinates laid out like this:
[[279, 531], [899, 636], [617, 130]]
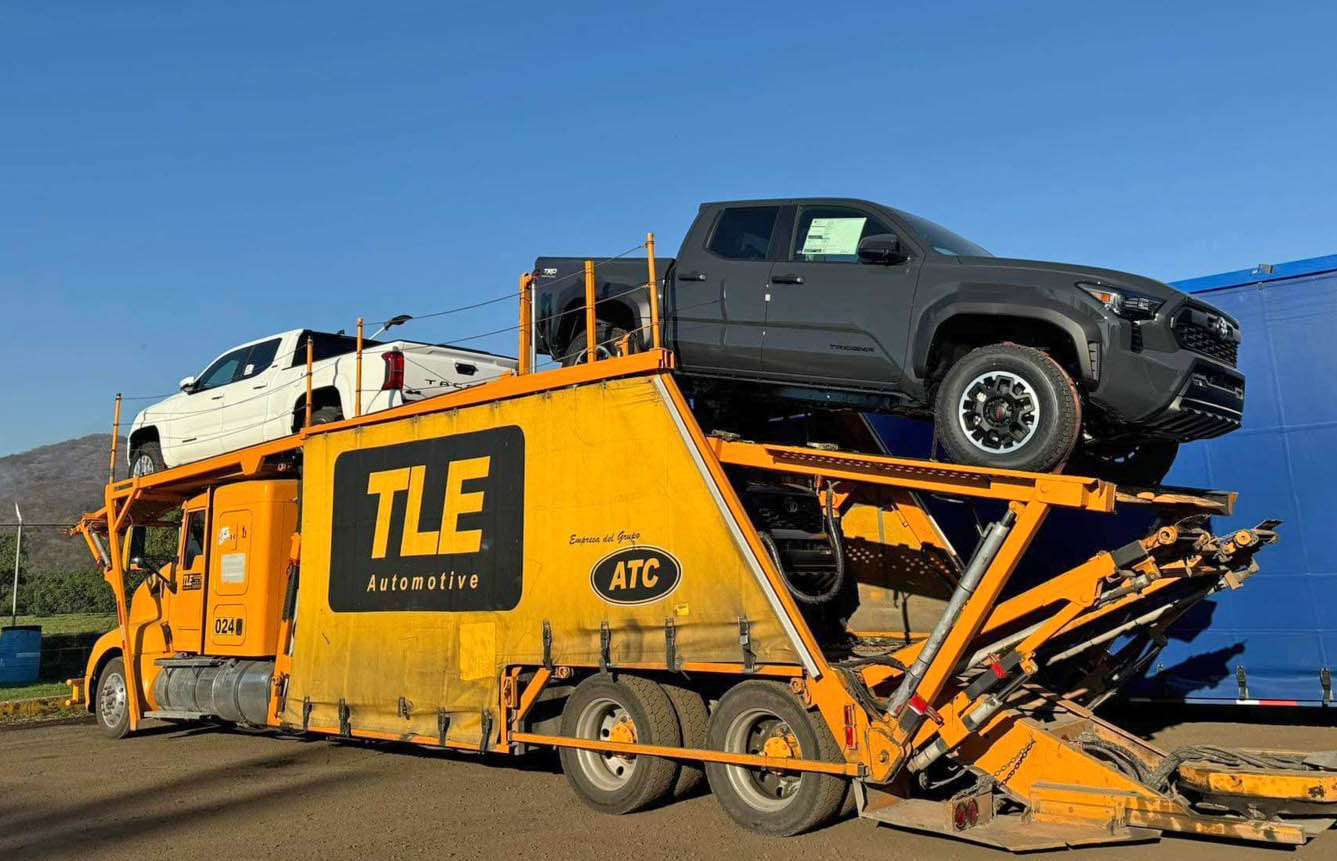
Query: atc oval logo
[[635, 575]]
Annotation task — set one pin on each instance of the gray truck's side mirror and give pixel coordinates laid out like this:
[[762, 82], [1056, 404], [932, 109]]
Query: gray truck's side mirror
[[186, 384], [880, 248]]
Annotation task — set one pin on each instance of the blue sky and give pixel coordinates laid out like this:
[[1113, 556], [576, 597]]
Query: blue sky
[[179, 177]]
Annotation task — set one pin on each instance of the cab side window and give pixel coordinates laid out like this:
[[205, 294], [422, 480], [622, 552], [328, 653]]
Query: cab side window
[[223, 371], [259, 358], [831, 234], [744, 233], [194, 539]]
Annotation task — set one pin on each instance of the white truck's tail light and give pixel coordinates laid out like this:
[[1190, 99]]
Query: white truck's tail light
[[394, 370]]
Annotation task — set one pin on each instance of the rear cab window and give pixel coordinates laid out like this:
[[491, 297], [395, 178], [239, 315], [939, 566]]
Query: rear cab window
[[745, 233], [327, 346], [831, 234]]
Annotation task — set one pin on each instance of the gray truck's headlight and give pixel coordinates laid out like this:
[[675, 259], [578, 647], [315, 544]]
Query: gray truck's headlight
[[1125, 303]]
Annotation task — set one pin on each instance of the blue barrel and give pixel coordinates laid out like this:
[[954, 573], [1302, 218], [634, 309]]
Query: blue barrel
[[20, 654]]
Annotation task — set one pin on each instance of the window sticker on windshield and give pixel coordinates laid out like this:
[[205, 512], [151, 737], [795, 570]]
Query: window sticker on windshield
[[833, 236]]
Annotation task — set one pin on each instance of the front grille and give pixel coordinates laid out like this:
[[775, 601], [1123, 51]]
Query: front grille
[[1196, 329]]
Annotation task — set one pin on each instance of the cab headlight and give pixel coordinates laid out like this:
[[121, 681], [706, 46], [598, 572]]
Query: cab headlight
[[1125, 303]]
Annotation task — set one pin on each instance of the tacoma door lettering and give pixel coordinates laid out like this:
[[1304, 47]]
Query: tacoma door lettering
[[433, 524]]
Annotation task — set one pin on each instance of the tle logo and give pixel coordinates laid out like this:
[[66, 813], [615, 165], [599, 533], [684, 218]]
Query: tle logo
[[635, 575], [429, 525]]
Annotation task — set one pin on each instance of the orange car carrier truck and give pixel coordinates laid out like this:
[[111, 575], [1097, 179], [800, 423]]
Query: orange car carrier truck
[[566, 559]]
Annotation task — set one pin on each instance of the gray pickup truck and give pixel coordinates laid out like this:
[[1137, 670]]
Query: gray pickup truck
[[849, 304]]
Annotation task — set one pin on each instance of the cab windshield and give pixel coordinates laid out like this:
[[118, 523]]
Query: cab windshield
[[940, 239]]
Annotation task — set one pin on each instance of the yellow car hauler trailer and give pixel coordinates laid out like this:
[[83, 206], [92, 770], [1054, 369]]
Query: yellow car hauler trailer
[[565, 559]]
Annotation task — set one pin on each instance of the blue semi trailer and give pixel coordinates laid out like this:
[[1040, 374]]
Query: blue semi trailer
[[1276, 642]]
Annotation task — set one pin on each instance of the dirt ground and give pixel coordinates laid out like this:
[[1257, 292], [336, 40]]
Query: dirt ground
[[207, 793]]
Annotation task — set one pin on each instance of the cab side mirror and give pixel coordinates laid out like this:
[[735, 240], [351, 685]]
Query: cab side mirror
[[187, 384], [138, 538], [880, 248]]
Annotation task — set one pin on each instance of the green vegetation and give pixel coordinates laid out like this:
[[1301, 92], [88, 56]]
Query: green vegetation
[[12, 693], [70, 623]]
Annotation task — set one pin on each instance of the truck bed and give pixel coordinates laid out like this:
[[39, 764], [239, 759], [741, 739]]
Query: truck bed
[[559, 295]]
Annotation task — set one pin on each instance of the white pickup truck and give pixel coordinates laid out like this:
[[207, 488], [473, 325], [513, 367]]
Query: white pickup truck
[[257, 392]]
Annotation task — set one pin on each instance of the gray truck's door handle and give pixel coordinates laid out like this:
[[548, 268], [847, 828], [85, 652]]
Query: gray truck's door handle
[[692, 276], [786, 279]]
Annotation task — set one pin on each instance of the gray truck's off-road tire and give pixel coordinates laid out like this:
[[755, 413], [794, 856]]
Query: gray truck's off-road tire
[[146, 459], [112, 702], [693, 721], [606, 338], [1010, 407], [747, 717], [630, 708], [1143, 465]]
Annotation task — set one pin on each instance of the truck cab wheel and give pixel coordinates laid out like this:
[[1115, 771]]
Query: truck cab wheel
[[631, 710], [763, 718], [112, 705], [1009, 407]]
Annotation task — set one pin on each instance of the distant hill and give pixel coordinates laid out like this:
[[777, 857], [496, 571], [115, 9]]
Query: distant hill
[[54, 484]]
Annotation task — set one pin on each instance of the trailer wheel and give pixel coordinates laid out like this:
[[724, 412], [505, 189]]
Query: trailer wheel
[[630, 709], [693, 723], [113, 700], [763, 718]]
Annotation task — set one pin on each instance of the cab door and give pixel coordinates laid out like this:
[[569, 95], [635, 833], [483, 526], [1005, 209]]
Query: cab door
[[189, 586], [246, 399], [719, 287], [830, 319], [195, 429]]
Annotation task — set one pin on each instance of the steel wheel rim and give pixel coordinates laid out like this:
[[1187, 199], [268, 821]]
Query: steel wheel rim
[[999, 412], [763, 789], [607, 771], [112, 702]]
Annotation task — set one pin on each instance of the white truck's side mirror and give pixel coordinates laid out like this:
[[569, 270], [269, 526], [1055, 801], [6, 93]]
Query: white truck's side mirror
[[186, 384]]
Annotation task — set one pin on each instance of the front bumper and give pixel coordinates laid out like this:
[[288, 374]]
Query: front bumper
[[1209, 404], [1153, 385]]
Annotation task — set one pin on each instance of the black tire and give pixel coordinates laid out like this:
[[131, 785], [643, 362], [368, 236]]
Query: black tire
[[1143, 465], [325, 415], [606, 341], [112, 703], [774, 803], [146, 458], [693, 722], [607, 782], [1010, 407]]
